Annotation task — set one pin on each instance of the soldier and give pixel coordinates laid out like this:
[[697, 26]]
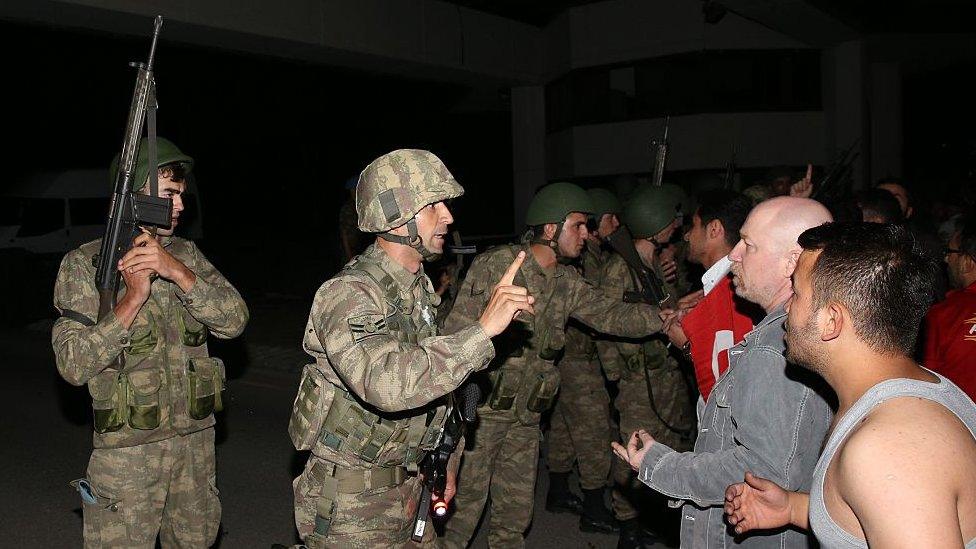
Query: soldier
[[652, 391], [152, 470], [505, 452], [373, 401], [580, 428]]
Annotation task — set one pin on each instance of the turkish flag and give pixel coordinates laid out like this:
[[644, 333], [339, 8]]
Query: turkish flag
[[716, 323]]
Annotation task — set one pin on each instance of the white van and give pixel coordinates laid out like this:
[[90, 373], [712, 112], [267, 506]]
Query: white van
[[59, 211]]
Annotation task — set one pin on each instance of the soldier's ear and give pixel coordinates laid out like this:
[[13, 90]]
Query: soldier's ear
[[549, 230]]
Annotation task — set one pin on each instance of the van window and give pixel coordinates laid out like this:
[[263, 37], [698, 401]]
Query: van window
[[88, 211], [41, 216]]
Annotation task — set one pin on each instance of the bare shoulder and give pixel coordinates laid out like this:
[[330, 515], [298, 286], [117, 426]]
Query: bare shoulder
[[907, 441]]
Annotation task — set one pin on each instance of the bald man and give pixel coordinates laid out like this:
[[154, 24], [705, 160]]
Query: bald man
[[763, 413]]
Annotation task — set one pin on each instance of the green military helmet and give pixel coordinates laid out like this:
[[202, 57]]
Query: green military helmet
[[652, 208], [397, 185], [552, 203], [166, 153], [604, 201]]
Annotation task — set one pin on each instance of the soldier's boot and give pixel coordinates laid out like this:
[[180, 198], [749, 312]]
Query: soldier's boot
[[595, 517], [634, 536], [560, 499]]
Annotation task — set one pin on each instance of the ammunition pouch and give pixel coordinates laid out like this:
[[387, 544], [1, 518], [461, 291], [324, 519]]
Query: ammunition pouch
[[357, 433], [143, 338], [108, 390], [205, 378], [537, 394], [143, 399], [505, 385], [309, 409]]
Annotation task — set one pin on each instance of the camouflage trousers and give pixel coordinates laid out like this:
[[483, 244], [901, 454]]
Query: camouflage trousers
[[672, 403], [502, 463], [376, 517], [580, 428], [166, 488]]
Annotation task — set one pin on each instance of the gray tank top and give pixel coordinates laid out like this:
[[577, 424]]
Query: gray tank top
[[829, 533]]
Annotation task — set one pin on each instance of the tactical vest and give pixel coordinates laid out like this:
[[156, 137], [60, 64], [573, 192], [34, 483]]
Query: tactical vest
[[528, 380], [327, 415]]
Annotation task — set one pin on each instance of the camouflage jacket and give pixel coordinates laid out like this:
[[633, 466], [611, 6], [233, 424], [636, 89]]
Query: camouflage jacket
[[169, 332], [579, 338], [529, 347], [623, 356], [392, 373]]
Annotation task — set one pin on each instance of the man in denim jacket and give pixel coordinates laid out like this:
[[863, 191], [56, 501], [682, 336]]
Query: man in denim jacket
[[763, 414]]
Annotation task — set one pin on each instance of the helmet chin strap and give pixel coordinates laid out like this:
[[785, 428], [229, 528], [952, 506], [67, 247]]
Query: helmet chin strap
[[553, 244], [414, 240]]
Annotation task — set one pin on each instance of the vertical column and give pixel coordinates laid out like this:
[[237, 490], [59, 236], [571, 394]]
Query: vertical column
[[528, 147], [844, 72], [887, 137]]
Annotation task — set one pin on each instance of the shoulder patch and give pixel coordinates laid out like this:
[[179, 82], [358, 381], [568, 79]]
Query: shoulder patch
[[367, 325]]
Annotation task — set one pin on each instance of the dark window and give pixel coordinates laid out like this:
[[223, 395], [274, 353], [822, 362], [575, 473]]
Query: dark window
[[42, 216], [687, 83], [88, 211]]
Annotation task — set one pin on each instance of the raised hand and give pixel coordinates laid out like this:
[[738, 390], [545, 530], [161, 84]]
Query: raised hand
[[757, 503], [506, 301], [804, 187]]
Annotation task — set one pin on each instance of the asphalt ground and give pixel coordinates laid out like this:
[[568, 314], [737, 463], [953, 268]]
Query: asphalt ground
[[46, 436]]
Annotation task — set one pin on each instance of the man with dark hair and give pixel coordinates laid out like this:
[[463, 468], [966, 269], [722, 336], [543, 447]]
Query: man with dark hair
[[706, 330], [897, 469], [901, 194], [154, 386], [761, 413], [950, 326], [879, 206], [579, 426]]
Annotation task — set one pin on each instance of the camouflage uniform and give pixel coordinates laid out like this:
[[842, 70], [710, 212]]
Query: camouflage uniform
[[580, 428], [374, 399], [503, 458], [152, 468], [629, 360]]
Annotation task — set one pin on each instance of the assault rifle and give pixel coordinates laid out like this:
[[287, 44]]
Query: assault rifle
[[728, 181], [435, 463], [660, 148], [836, 181], [128, 210], [650, 288]]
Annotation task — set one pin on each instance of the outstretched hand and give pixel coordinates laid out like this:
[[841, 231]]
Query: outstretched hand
[[757, 503], [506, 301], [637, 446]]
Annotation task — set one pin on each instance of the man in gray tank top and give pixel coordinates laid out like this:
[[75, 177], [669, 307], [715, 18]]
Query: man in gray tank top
[[897, 467]]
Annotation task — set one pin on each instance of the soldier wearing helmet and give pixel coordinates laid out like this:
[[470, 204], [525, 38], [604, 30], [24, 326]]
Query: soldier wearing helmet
[[523, 381], [374, 399], [652, 391], [580, 428], [153, 385]]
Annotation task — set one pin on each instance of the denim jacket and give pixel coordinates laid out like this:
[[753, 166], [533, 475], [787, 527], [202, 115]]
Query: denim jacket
[[763, 416]]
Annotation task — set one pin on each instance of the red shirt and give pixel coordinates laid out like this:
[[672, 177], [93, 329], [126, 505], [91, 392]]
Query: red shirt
[[950, 338], [713, 327]]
